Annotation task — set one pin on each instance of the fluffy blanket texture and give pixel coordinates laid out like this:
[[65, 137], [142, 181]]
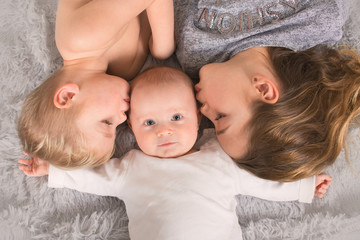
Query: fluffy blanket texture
[[31, 210]]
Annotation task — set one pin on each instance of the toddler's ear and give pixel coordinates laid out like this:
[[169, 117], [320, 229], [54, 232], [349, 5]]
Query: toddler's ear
[[65, 95]]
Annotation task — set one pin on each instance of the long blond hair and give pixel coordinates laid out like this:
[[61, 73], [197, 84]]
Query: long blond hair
[[304, 132]]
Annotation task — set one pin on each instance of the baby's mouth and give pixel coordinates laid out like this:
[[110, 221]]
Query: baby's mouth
[[166, 144]]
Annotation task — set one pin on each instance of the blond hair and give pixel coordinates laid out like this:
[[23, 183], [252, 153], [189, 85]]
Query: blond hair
[[50, 133], [304, 132]]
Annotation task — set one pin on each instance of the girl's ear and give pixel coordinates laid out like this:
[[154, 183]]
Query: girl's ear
[[266, 89], [64, 96]]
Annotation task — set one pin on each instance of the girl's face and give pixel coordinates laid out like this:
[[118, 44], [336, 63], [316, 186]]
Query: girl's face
[[229, 91], [226, 94]]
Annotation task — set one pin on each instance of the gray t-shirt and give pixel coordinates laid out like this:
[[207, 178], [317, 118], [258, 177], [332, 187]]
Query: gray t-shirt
[[215, 30]]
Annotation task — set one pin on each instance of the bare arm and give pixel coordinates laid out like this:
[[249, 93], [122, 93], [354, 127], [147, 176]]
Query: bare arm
[[161, 19]]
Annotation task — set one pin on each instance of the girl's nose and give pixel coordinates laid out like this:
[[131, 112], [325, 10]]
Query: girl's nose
[[207, 112], [204, 109]]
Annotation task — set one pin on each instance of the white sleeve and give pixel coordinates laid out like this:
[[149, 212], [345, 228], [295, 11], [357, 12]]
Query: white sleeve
[[105, 180], [251, 185]]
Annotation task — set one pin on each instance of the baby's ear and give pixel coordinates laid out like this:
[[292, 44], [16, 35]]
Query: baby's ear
[[64, 96]]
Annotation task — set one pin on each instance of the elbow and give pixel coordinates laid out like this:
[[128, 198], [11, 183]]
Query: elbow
[[162, 50]]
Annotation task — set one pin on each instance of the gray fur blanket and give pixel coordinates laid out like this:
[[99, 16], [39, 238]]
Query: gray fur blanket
[[31, 210]]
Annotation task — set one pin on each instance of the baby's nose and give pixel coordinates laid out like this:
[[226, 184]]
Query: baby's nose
[[165, 132]]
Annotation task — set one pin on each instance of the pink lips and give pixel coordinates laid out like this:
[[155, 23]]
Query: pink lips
[[197, 89], [166, 144]]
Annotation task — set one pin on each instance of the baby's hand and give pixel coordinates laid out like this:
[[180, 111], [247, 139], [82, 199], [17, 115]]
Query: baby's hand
[[34, 166], [322, 183]]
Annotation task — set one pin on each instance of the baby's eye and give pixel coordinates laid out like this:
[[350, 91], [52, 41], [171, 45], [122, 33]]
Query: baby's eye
[[149, 122], [176, 117], [219, 116], [107, 122]]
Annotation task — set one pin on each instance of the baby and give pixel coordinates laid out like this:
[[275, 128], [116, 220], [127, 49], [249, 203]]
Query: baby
[[171, 189]]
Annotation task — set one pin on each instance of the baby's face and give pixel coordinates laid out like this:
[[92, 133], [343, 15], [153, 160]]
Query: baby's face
[[164, 118]]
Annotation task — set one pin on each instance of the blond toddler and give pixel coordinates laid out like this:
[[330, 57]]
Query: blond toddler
[[70, 119]]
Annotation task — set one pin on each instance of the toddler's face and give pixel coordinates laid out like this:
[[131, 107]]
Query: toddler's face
[[164, 118], [104, 101]]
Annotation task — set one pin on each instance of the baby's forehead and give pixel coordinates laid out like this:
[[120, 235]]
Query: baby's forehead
[[174, 88], [161, 76], [165, 90], [165, 81]]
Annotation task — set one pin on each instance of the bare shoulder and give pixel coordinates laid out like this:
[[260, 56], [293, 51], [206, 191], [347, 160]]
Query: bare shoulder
[[66, 15], [128, 54], [89, 28]]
